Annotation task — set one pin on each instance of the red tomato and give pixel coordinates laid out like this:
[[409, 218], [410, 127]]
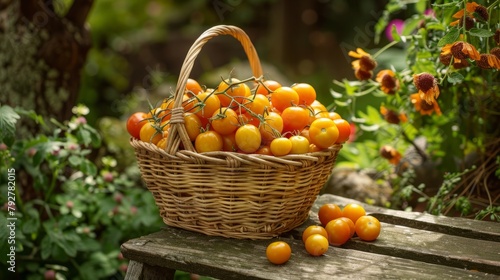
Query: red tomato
[[135, 123]]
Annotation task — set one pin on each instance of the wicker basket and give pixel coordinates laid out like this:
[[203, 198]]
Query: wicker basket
[[226, 193]]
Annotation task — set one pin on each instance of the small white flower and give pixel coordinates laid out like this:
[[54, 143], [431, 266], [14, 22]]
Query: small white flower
[[80, 110]]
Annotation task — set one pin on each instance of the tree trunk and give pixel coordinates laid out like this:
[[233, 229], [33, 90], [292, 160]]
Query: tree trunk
[[41, 56]]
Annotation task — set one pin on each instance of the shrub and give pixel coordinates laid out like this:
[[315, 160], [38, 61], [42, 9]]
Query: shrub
[[73, 207]]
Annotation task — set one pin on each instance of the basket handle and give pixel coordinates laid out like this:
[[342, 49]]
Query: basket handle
[[177, 131]]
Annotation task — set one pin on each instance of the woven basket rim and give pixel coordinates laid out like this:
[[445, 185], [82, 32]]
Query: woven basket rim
[[221, 157]]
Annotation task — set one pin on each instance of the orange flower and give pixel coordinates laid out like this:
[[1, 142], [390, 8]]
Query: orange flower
[[392, 116], [388, 81], [391, 154], [423, 107], [488, 61], [470, 9], [461, 50], [364, 62], [427, 87]]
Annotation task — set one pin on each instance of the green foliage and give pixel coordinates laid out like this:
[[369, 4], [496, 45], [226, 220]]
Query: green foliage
[[436, 114], [74, 209]]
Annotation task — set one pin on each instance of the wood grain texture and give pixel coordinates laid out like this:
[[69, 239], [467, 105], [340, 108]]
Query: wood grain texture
[[403, 250]]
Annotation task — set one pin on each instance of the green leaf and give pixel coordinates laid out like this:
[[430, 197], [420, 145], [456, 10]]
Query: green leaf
[[395, 34], [8, 120], [75, 160], [46, 247], [88, 167], [32, 223], [450, 37], [335, 94], [420, 6], [455, 78], [482, 33]]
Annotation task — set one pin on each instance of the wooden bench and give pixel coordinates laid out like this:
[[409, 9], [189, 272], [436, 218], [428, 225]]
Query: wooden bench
[[411, 245]]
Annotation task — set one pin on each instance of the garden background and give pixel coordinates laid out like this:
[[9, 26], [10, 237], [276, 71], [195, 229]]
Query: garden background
[[73, 71]]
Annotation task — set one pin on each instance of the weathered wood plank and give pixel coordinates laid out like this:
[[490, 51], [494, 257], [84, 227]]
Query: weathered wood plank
[[144, 271], [245, 259], [455, 226]]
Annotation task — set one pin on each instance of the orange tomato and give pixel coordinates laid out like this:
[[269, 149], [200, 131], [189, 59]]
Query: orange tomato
[[338, 231], [193, 125], [193, 86], [323, 133], [225, 121], [281, 146], [328, 212], [350, 223], [231, 92], [300, 144], [229, 143], [313, 229], [295, 119], [258, 104], [248, 138], [150, 133], [208, 141], [307, 94], [368, 228], [344, 130], [283, 98], [278, 252], [264, 150], [271, 86], [353, 211], [207, 104], [272, 127], [316, 245]]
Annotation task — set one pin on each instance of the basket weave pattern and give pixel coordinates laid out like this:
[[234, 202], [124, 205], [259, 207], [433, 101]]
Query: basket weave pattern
[[226, 193]]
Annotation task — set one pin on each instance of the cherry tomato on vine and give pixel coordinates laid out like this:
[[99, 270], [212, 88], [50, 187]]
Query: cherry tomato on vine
[[272, 127], [150, 133], [231, 89], [225, 121], [135, 122], [278, 252], [270, 84], [192, 123], [258, 104], [207, 103], [367, 228]]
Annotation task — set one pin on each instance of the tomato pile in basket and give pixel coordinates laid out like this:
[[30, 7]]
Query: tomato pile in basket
[[266, 119]]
